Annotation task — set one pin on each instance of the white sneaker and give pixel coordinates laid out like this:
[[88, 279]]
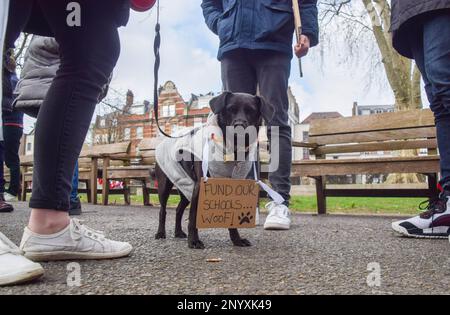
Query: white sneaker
[[75, 242], [14, 268], [10, 198], [278, 218]]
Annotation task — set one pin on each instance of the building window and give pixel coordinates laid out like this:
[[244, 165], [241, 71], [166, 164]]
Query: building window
[[102, 123], [29, 146], [127, 134], [98, 139], [172, 111], [305, 136], [306, 154], [140, 133], [169, 110]]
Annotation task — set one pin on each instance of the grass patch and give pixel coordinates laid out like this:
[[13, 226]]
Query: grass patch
[[391, 206]]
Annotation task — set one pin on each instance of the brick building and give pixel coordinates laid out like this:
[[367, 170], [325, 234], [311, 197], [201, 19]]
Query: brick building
[[137, 121]]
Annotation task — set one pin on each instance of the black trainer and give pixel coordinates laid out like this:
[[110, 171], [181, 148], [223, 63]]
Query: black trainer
[[4, 206], [75, 207]]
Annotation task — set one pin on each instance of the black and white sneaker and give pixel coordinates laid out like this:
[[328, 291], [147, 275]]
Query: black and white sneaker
[[434, 223]]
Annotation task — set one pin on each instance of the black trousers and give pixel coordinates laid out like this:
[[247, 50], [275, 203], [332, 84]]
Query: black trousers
[[12, 136], [244, 71], [89, 53]]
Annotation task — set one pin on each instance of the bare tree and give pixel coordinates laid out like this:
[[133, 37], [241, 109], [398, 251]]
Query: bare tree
[[21, 48], [370, 20], [367, 23]]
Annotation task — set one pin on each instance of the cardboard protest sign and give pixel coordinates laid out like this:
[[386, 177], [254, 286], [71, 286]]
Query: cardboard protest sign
[[227, 203]]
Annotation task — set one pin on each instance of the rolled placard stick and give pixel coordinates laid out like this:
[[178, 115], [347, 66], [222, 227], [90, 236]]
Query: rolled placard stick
[[298, 29]]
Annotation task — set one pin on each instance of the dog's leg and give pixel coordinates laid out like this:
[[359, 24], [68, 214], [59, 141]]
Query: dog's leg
[[184, 202], [237, 240], [164, 188], [193, 239]]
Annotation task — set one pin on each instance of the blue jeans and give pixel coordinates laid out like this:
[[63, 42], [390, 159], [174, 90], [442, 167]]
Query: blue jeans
[[74, 192], [430, 44], [243, 70]]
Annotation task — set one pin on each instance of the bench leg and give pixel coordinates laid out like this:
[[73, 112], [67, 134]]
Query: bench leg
[[94, 173], [24, 190], [321, 198], [126, 192], [146, 193], [105, 184], [88, 191]]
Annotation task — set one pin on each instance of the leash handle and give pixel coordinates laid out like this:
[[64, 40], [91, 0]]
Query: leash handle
[[298, 29]]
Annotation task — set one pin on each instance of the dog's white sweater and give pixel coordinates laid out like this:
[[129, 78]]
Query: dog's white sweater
[[172, 151]]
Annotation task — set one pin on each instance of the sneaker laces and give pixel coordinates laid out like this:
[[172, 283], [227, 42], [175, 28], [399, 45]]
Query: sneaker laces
[[433, 206], [82, 229], [274, 208], [8, 247]]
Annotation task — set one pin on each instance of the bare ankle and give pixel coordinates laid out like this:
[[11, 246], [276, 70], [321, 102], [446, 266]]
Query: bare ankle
[[45, 222]]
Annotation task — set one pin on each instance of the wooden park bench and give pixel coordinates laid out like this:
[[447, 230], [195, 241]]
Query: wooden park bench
[[88, 166], [405, 130], [102, 157], [139, 169]]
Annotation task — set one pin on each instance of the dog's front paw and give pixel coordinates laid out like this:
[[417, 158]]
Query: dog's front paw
[[196, 244], [242, 242], [160, 235], [180, 234]]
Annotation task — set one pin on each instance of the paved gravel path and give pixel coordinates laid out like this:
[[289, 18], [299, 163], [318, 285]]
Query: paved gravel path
[[319, 255]]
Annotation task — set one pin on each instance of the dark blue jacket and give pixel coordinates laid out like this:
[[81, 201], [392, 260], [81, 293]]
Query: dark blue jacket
[[11, 117], [259, 24]]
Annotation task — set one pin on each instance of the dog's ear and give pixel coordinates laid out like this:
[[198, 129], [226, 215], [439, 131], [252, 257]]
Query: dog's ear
[[267, 109], [218, 103]]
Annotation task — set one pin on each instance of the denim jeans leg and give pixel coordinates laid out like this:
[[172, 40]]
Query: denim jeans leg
[[74, 193], [436, 34], [273, 70]]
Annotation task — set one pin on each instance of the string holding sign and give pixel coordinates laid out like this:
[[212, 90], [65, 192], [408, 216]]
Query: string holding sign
[[205, 165]]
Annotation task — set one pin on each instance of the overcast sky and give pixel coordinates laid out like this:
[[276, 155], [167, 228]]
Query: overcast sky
[[188, 57]]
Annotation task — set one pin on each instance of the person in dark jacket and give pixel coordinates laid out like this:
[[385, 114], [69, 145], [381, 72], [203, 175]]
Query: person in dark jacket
[[8, 84], [256, 40], [421, 31], [12, 134]]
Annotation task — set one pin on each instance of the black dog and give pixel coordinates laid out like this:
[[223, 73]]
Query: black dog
[[236, 110]]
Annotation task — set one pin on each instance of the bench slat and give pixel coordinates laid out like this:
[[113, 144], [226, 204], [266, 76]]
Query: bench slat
[[376, 122], [377, 146], [372, 136], [426, 164]]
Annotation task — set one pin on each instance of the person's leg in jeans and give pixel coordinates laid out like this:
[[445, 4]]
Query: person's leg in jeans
[[238, 74], [12, 136], [89, 53], [273, 70], [74, 192], [436, 32], [75, 203], [431, 51]]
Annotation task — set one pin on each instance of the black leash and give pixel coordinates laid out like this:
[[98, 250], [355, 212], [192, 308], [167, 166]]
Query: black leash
[[156, 47]]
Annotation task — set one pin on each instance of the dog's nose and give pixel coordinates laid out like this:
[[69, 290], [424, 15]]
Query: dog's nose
[[242, 124]]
